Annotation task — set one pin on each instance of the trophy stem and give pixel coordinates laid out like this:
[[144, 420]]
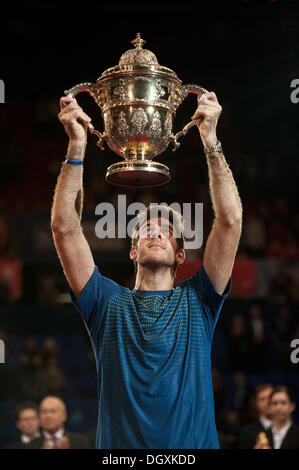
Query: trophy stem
[[138, 174], [138, 154]]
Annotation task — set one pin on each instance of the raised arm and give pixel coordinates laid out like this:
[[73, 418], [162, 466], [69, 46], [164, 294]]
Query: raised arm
[[224, 237], [71, 245]]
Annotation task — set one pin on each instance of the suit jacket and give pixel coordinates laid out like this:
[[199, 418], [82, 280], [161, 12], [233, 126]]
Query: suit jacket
[[17, 444], [248, 435], [291, 439], [77, 441]]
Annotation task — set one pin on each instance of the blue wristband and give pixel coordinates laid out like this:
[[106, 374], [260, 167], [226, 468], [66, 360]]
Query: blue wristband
[[74, 162]]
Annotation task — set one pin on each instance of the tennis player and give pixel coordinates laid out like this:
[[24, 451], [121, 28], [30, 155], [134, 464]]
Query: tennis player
[[152, 344]]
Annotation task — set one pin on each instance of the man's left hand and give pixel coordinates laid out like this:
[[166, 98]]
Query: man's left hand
[[207, 115]]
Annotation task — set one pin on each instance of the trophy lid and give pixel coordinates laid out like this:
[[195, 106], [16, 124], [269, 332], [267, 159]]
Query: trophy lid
[[138, 59], [138, 56]]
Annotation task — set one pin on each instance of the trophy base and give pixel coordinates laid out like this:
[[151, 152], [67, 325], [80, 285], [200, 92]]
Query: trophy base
[[138, 174]]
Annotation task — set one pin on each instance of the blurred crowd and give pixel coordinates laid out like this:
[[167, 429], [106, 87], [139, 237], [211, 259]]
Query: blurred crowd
[[271, 427], [251, 346], [39, 367], [43, 427], [45, 397]]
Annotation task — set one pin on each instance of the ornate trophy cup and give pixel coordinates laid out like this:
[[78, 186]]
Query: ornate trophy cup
[[138, 98]]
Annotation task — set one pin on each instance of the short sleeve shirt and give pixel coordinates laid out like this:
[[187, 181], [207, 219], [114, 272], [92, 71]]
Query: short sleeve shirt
[[152, 351]]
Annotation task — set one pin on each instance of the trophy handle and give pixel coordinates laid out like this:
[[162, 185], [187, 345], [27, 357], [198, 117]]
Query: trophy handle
[[186, 89], [90, 87]]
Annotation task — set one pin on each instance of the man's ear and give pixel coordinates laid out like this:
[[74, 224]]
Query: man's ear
[[133, 253], [180, 256]]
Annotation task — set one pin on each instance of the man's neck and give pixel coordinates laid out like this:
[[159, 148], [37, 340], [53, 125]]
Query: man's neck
[[265, 420], [54, 431], [278, 425], [154, 279]]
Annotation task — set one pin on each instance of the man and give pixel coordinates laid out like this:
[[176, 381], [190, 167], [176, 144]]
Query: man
[[53, 415], [249, 433], [152, 344], [282, 434], [28, 425]]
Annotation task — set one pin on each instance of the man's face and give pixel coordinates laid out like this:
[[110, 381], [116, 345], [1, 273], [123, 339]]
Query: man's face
[[28, 422], [52, 414], [262, 402], [156, 245], [281, 407]]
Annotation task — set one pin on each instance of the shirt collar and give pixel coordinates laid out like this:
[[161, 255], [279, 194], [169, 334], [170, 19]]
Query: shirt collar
[[26, 439], [265, 422], [144, 293], [58, 434], [282, 432]]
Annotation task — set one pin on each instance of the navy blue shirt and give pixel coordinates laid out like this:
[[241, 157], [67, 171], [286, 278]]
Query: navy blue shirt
[[152, 351]]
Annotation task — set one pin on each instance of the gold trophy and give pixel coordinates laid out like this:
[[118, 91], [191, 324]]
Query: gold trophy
[[138, 98], [262, 441]]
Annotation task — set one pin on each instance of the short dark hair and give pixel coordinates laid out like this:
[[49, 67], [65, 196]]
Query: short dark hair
[[28, 405], [162, 212], [284, 389], [260, 388]]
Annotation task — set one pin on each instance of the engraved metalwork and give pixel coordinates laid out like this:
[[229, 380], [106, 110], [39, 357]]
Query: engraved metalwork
[[119, 90], [108, 124], [138, 55], [156, 127], [138, 99], [139, 121], [122, 126], [159, 89]]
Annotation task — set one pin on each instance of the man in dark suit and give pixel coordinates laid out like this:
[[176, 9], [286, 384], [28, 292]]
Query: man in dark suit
[[28, 424], [248, 435], [283, 433], [53, 415]]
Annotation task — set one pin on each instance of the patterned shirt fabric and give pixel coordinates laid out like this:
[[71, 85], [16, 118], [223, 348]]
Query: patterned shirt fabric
[[152, 351]]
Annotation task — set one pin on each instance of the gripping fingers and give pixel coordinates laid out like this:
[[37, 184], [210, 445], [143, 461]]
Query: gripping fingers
[[74, 115], [69, 108], [65, 100]]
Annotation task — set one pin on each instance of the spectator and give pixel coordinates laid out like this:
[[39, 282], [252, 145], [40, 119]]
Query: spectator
[[283, 336], [280, 285], [48, 290], [219, 397], [238, 344], [49, 379], [254, 235], [30, 362], [49, 349], [282, 434], [6, 245], [294, 285], [257, 339], [277, 231], [229, 429], [248, 434], [53, 415], [28, 425], [240, 393], [9, 381]]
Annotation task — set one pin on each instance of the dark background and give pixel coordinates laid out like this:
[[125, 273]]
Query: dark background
[[247, 52]]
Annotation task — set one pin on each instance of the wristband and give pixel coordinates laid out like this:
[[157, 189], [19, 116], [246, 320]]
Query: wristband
[[74, 162]]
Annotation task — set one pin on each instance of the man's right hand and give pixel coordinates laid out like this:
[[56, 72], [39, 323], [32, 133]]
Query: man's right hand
[[74, 120]]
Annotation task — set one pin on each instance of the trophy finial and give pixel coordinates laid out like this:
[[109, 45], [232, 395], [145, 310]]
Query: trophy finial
[[138, 42]]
